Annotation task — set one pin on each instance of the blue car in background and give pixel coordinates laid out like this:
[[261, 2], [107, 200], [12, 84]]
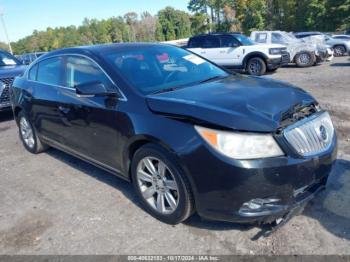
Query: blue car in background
[[10, 67]]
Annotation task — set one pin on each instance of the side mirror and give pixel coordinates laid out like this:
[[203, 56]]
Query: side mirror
[[91, 89]]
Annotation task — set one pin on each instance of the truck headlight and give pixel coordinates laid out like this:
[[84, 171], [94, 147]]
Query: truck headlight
[[239, 145], [276, 51]]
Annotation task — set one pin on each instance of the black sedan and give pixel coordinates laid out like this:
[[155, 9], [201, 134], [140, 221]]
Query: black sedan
[[189, 135]]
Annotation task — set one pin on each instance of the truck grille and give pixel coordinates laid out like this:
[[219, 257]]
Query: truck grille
[[5, 94], [312, 135]]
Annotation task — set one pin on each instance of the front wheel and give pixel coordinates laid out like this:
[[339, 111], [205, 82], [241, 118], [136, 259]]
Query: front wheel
[[256, 66], [28, 135], [339, 50], [305, 59], [161, 185]]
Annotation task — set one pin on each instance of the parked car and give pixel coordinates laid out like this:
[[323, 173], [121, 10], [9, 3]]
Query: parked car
[[238, 51], [326, 51], [301, 53], [10, 67], [30, 57], [344, 37], [341, 46], [189, 135]]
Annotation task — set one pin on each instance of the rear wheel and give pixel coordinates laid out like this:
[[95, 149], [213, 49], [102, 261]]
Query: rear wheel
[[256, 66], [339, 50], [305, 59], [161, 185], [28, 135]]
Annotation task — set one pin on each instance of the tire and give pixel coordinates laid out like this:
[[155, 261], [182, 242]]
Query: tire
[[28, 135], [339, 50], [150, 189], [305, 59], [256, 66]]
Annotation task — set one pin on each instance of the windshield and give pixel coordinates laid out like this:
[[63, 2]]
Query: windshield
[[154, 69], [7, 59], [244, 40]]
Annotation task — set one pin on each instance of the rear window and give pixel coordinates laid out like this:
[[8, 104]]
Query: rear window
[[50, 71], [32, 73], [204, 42], [195, 42]]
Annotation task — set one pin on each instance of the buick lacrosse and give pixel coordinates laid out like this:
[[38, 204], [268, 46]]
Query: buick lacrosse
[[187, 134]]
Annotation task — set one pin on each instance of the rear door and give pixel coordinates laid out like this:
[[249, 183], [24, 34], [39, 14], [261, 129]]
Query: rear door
[[207, 46], [231, 52], [45, 80]]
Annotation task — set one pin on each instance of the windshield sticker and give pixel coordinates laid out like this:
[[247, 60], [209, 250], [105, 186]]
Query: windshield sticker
[[194, 59]]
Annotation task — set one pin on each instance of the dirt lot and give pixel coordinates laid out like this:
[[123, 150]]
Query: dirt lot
[[55, 204]]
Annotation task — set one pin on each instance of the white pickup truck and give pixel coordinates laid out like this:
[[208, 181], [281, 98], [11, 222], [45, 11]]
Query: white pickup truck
[[235, 50]]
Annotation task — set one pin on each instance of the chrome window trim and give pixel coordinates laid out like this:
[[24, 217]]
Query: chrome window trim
[[122, 98]]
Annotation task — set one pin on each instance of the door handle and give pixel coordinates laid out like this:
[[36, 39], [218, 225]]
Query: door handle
[[222, 52]]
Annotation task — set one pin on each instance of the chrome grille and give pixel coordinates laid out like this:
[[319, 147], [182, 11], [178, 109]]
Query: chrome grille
[[312, 135], [5, 94]]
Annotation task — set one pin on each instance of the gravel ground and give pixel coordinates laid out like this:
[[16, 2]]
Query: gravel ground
[[53, 203]]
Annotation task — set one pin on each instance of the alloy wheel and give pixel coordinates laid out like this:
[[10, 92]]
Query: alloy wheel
[[27, 132], [157, 185], [305, 58], [339, 51]]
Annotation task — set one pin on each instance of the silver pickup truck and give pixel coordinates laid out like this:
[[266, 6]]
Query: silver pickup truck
[[302, 53]]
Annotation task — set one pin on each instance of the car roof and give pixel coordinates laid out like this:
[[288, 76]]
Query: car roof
[[100, 49], [308, 33], [218, 34]]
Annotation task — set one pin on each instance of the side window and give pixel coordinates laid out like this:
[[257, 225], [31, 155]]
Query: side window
[[32, 73], [211, 42], [81, 71], [50, 71], [228, 41], [261, 38], [195, 42], [276, 38]]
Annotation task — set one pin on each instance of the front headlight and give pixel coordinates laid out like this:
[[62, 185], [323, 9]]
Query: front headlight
[[241, 145], [276, 51]]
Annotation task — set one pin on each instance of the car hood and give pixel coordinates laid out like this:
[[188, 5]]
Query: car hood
[[238, 102], [12, 71]]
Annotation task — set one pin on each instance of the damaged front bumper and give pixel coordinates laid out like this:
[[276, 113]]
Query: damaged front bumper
[[278, 62]]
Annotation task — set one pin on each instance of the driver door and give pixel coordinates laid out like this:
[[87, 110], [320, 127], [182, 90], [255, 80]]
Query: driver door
[[91, 127]]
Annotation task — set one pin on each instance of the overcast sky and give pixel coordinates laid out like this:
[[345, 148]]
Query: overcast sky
[[24, 16]]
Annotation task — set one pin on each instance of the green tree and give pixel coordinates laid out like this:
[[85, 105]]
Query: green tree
[[174, 24]]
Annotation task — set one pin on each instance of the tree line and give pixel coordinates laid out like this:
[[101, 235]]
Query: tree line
[[206, 16]]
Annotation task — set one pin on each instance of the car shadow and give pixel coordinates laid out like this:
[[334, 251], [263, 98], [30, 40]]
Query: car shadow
[[341, 64], [127, 190], [6, 116], [325, 208], [332, 207], [96, 173]]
